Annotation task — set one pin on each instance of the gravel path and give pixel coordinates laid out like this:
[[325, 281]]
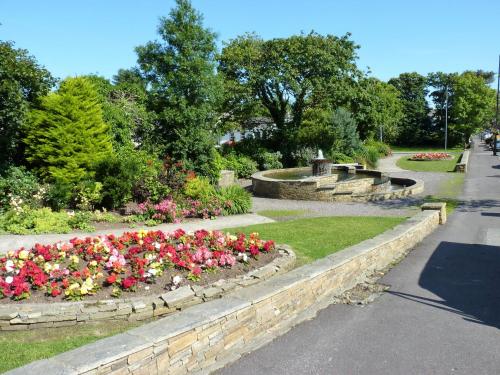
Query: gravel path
[[388, 164]]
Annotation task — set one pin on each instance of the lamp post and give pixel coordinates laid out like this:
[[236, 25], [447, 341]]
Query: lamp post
[[496, 113], [446, 121]]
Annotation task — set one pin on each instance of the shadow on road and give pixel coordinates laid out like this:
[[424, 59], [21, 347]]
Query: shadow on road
[[477, 205], [466, 278]]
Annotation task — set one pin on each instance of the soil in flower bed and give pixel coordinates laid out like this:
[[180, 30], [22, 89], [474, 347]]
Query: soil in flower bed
[[129, 266]]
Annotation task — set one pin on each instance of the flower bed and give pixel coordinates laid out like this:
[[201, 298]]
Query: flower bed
[[431, 156], [108, 265]]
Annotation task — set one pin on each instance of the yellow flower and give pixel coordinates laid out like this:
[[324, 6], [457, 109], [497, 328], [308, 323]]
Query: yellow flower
[[74, 286], [74, 259], [47, 267], [142, 233], [84, 290], [141, 242], [23, 254], [93, 263]]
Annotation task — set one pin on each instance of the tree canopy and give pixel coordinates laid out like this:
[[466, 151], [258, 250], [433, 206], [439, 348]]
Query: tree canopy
[[22, 82], [67, 136], [184, 90], [288, 75], [415, 124]]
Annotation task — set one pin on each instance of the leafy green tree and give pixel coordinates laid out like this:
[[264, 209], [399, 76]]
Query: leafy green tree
[[67, 135], [332, 131], [286, 76], [441, 84], [125, 112], [415, 126], [345, 132], [22, 82], [473, 104], [180, 70], [316, 130], [378, 110]]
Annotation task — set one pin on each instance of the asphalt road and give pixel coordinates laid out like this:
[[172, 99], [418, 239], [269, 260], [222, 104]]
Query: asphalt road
[[440, 316]]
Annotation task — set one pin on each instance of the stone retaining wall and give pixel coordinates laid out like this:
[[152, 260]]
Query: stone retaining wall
[[461, 166], [208, 336], [327, 188], [23, 316]]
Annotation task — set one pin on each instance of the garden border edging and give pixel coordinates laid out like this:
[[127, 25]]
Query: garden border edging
[[205, 337], [24, 316]]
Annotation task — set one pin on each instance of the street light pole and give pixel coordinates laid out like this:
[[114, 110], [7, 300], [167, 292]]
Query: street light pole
[[498, 89], [495, 132], [446, 122]]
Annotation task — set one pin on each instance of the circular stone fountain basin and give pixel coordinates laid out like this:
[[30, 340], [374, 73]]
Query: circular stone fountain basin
[[344, 183]]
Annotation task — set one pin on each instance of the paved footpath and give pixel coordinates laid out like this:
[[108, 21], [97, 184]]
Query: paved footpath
[[12, 241], [440, 316]]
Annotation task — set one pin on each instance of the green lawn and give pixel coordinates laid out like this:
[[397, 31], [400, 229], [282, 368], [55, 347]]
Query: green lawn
[[275, 214], [449, 191], [314, 238], [22, 347], [428, 166]]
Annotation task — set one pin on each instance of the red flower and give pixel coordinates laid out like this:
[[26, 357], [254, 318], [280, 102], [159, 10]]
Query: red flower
[[129, 282], [269, 245], [254, 250], [111, 279]]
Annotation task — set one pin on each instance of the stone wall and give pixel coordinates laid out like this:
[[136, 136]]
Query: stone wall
[[206, 337], [23, 316], [327, 188], [462, 165]]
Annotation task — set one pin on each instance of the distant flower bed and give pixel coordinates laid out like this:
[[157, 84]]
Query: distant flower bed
[[83, 267], [430, 156]]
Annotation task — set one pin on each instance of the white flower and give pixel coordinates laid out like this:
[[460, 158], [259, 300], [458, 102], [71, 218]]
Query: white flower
[[152, 272], [146, 288], [9, 279], [243, 257], [9, 266], [176, 280], [157, 245]]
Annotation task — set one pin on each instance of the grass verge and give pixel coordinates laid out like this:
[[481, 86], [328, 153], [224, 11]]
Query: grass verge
[[449, 190], [428, 166], [275, 214], [22, 347], [314, 238]]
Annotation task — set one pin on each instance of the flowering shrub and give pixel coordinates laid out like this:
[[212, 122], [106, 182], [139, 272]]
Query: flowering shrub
[[82, 267], [424, 156], [165, 211]]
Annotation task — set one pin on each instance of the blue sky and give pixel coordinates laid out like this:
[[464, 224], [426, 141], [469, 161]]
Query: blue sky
[[99, 36]]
